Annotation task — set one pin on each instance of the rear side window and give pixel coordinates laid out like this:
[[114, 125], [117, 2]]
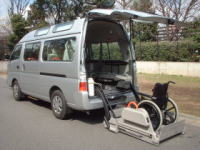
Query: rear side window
[[16, 53], [59, 49], [31, 52]]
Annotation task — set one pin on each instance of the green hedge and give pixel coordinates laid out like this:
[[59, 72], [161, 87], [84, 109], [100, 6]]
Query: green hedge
[[183, 51]]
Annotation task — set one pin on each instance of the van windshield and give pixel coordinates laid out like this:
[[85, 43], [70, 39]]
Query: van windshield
[[106, 51]]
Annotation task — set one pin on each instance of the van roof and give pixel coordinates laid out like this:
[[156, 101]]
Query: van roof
[[73, 27]]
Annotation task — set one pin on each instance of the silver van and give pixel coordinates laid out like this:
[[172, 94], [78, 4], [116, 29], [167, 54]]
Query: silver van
[[54, 63]]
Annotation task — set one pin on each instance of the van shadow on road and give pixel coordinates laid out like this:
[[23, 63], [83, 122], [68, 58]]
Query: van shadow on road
[[92, 117]]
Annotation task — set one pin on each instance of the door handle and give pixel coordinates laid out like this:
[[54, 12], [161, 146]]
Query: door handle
[[23, 67], [17, 67]]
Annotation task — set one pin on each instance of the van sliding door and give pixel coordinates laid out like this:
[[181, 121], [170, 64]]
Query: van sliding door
[[30, 74]]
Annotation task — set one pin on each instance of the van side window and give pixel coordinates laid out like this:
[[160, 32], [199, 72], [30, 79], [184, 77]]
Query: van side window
[[59, 50], [16, 53], [31, 52]]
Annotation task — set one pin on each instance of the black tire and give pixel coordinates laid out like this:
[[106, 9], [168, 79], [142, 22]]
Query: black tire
[[59, 106], [154, 112], [170, 114], [17, 93]]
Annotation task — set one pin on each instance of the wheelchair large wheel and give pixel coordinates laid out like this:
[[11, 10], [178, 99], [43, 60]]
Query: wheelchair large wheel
[[154, 112], [170, 114]]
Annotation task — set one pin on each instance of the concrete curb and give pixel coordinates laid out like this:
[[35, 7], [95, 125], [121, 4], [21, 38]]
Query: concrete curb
[[3, 66], [190, 120], [3, 75], [189, 116]]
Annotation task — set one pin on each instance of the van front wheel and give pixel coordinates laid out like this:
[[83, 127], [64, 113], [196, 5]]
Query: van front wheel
[[17, 93], [59, 105]]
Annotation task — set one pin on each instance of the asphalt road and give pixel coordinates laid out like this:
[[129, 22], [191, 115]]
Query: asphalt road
[[30, 125]]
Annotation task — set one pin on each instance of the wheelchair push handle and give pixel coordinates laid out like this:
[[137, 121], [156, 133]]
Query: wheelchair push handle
[[169, 82], [172, 82]]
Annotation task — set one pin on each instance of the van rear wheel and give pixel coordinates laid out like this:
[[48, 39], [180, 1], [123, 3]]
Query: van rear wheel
[[17, 93], [59, 105]]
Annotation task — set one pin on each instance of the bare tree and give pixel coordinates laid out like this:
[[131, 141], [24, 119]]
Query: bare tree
[[182, 10], [5, 31], [125, 4], [18, 6], [5, 27]]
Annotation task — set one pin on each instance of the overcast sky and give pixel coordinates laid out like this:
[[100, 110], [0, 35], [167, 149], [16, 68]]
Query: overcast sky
[[4, 4], [3, 8]]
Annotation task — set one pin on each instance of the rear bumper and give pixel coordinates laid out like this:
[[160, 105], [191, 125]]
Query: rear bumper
[[91, 103]]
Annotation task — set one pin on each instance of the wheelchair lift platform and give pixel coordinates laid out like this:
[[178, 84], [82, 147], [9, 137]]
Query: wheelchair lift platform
[[152, 120], [136, 123]]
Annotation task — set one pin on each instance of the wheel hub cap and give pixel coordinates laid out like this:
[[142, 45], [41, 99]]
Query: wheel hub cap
[[15, 88], [57, 104]]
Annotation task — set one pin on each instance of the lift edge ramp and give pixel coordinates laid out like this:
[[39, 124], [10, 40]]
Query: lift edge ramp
[[171, 130]]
